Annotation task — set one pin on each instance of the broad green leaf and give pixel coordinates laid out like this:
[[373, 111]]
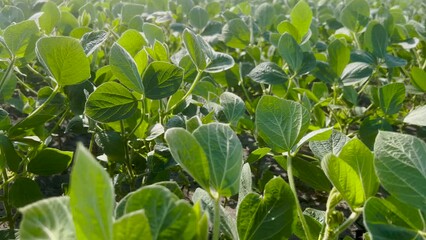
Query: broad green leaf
[[20, 38], [4, 123], [236, 33], [245, 183], [281, 123], [50, 17], [153, 32], [141, 60], [269, 73], [195, 49], [356, 73], [370, 128], [361, 159], [287, 27], [24, 191], [8, 155], [130, 10], [92, 197], [325, 73], [198, 17], [264, 15], [168, 216], [161, 79], [301, 17], [219, 62], [110, 102], [124, 68], [400, 166], [393, 62], [132, 41], [189, 154], [376, 39], [418, 78], [77, 96], [224, 154], [50, 161], [391, 97], [389, 220], [64, 58], [315, 220], [93, 40], [417, 116], [308, 63], [10, 14], [111, 143], [269, 217], [345, 179], [355, 15], [232, 106], [132, 226], [338, 56], [47, 219], [291, 52]]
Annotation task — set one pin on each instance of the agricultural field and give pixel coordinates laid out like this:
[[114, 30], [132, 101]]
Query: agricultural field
[[213, 119]]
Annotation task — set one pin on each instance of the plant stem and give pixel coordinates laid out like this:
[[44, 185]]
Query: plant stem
[[48, 100], [7, 73], [216, 223], [293, 189], [194, 83], [126, 155], [143, 112]]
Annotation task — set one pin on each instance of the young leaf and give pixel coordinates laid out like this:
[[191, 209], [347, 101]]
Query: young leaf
[[198, 17], [50, 161], [20, 37], [269, 73], [236, 33], [287, 27], [189, 154], [110, 102], [401, 168], [269, 217], [64, 58], [24, 191], [161, 79], [132, 226], [225, 156], [264, 15], [168, 216], [301, 17], [92, 197], [418, 78], [92, 40], [124, 68], [291, 52], [417, 116], [233, 106], [133, 41], [356, 73], [391, 97], [376, 39], [50, 18], [195, 49], [153, 32], [47, 219], [219, 62], [281, 123], [355, 15], [338, 56]]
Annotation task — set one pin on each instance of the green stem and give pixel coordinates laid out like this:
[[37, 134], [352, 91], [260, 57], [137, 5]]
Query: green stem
[[351, 219], [293, 189], [194, 83], [143, 112], [126, 155], [7, 73], [216, 223], [9, 215]]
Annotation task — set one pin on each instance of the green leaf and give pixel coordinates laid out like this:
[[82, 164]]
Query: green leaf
[[93, 40], [161, 79], [417, 116], [168, 216], [325, 73], [355, 15], [92, 197], [110, 102], [345, 179], [64, 58], [4, 122], [132, 226], [338, 56], [401, 168], [356, 73], [264, 15], [8, 154], [370, 128], [269, 73], [47, 219], [225, 156], [291, 52], [391, 97], [317, 135], [301, 17], [390, 220], [189, 154], [245, 183], [133, 41], [10, 14], [376, 39], [153, 32], [232, 106], [50, 17], [236, 33], [219, 62], [50, 161], [287, 27], [20, 37], [24, 191], [198, 17], [269, 217], [130, 10], [393, 62], [281, 123], [124, 68], [195, 49], [418, 78]]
